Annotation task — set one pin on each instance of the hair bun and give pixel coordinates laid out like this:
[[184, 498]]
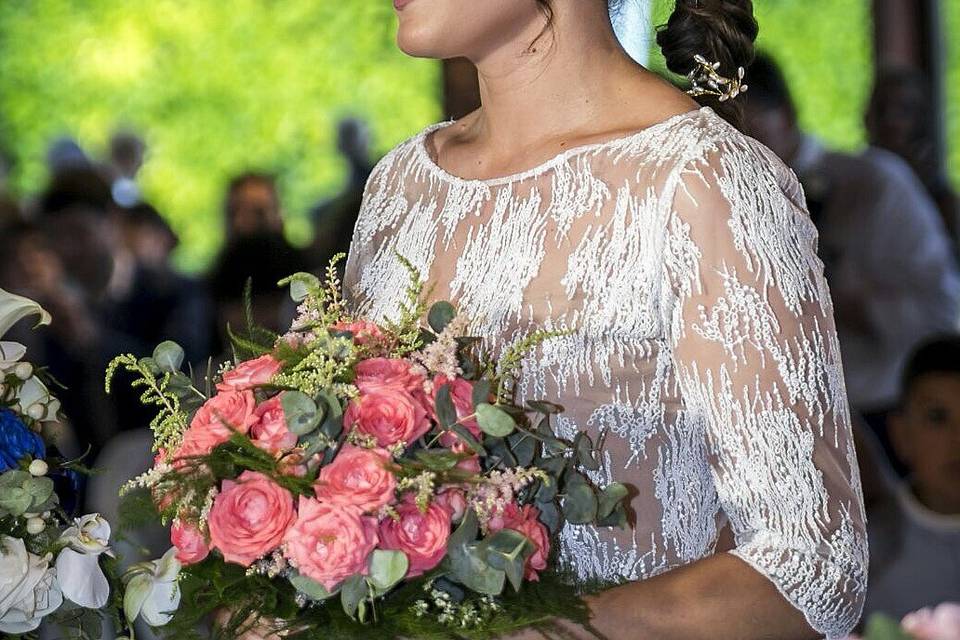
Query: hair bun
[[721, 31]]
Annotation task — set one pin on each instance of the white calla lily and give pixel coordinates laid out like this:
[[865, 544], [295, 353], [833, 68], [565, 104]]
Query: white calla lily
[[78, 565], [28, 588], [14, 308], [152, 592]]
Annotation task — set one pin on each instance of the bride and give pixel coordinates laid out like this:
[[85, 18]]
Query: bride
[[588, 195]]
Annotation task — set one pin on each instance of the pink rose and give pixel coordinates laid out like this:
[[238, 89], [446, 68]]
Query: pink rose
[[330, 542], [364, 332], [421, 536], [455, 501], [192, 546], [388, 413], [249, 517], [461, 392], [940, 623], [358, 477], [390, 371], [270, 431], [527, 522], [216, 421], [250, 374]]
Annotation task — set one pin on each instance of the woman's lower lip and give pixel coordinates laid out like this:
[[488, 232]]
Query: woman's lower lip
[[400, 4]]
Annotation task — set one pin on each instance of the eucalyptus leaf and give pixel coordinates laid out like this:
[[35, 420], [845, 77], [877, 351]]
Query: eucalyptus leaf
[[470, 569], [583, 448], [508, 550], [301, 284], [169, 356], [467, 438], [150, 365], [616, 518], [352, 593], [310, 587], [332, 423], [494, 421], [440, 315], [542, 406], [446, 411], [300, 412], [40, 489], [524, 448], [387, 568], [580, 503], [547, 490], [612, 495], [16, 500], [481, 392], [549, 515], [440, 460]]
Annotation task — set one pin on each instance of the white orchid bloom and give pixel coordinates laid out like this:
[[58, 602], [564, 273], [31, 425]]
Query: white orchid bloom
[[153, 593], [34, 392], [78, 565], [14, 308], [28, 588]]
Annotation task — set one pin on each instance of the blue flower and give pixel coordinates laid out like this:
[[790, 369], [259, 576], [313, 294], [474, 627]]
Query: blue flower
[[17, 441]]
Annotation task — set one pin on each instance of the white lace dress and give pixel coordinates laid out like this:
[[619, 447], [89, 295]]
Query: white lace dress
[[703, 344]]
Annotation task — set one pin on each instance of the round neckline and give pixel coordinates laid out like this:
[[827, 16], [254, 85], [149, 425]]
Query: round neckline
[[427, 159]]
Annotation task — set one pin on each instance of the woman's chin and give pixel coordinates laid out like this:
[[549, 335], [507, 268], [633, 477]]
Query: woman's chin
[[417, 44]]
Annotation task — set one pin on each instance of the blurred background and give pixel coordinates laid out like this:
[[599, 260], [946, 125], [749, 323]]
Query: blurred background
[[155, 154]]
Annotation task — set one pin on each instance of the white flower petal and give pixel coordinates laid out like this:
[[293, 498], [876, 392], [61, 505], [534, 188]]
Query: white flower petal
[[13, 308], [81, 579], [161, 604], [167, 568], [10, 354], [135, 594]]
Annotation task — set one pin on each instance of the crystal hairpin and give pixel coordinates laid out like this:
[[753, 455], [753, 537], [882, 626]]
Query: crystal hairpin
[[706, 81]]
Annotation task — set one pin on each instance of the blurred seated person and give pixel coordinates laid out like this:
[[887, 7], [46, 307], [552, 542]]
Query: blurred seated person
[[334, 219], [887, 256], [900, 118], [127, 151], [149, 300], [915, 534], [255, 250]]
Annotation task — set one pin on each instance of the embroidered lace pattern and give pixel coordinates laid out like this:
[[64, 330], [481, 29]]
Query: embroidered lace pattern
[[702, 346]]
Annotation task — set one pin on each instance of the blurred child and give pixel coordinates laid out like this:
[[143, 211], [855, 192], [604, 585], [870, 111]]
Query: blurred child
[[915, 535]]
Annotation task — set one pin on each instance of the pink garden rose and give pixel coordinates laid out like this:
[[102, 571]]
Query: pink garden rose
[[421, 536], [329, 543], [250, 517], [192, 546], [358, 477], [364, 332], [939, 623], [250, 374], [387, 412], [216, 421], [455, 501], [270, 431], [390, 371], [527, 522]]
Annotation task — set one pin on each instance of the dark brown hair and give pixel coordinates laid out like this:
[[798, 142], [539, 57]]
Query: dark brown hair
[[720, 30]]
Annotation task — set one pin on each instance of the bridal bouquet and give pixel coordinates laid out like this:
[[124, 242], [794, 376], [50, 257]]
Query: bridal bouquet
[[359, 480], [51, 564]]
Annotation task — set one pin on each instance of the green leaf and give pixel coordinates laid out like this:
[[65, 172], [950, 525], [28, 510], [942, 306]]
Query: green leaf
[[446, 411], [300, 412], [150, 365], [542, 406], [547, 490], [440, 315], [549, 515], [387, 568], [333, 421], [468, 439], [135, 594], [16, 500], [494, 421], [466, 533], [612, 495], [352, 592], [580, 504], [438, 460], [469, 568], [616, 518], [583, 447], [310, 587], [301, 284], [40, 489], [524, 448], [481, 392], [169, 356], [508, 550]]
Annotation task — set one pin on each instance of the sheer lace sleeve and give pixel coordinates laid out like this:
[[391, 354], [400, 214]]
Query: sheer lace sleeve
[[757, 360]]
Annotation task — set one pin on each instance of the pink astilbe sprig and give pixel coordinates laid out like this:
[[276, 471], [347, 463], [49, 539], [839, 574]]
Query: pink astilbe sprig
[[440, 356]]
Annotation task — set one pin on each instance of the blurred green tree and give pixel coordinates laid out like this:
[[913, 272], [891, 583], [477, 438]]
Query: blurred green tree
[[215, 87]]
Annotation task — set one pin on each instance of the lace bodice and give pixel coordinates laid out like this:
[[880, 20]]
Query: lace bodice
[[702, 344]]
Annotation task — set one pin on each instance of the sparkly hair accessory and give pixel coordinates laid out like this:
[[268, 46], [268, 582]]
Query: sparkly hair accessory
[[705, 81]]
